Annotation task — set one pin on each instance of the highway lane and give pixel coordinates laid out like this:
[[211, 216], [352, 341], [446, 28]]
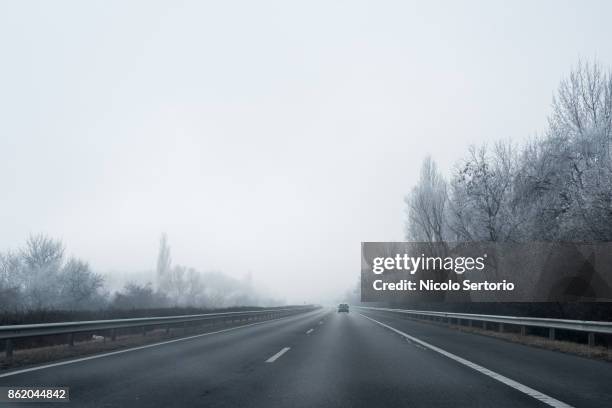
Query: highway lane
[[575, 380], [177, 374], [350, 362], [324, 358]]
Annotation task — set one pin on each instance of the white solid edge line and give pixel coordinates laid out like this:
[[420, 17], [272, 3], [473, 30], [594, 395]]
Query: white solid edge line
[[112, 353], [277, 355], [505, 380], [309, 331]]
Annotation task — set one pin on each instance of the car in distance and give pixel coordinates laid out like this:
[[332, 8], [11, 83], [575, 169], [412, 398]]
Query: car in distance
[[343, 307]]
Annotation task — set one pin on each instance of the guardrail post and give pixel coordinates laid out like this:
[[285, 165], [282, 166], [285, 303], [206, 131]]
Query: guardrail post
[[469, 323], [484, 325], [551, 333], [501, 327], [113, 334], [523, 330], [71, 339], [591, 339], [8, 348]]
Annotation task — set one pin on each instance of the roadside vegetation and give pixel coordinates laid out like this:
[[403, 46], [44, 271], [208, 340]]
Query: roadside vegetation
[[38, 283], [556, 187]]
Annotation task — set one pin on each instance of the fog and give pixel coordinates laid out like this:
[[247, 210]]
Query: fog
[[266, 139]]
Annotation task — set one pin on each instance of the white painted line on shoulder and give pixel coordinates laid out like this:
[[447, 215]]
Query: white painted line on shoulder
[[505, 380], [277, 355]]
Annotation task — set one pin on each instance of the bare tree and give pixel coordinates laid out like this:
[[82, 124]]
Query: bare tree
[[567, 175], [582, 108], [38, 273], [582, 120], [10, 291], [42, 251], [194, 288], [80, 287], [426, 206], [483, 205], [164, 265]]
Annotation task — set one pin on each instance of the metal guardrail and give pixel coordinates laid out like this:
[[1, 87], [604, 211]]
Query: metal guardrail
[[10, 332], [588, 326]]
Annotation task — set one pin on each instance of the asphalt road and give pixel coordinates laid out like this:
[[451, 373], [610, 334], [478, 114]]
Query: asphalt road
[[327, 359]]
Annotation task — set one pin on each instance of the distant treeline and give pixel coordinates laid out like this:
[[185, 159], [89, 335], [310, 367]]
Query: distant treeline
[[39, 277]]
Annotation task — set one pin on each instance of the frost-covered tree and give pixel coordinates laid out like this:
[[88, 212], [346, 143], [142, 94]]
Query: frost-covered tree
[[194, 288], [38, 272], [426, 206], [181, 285], [80, 287], [42, 252], [39, 277], [10, 292], [484, 206], [558, 187], [566, 176], [164, 265]]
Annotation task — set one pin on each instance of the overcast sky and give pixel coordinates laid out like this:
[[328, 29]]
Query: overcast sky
[[270, 137]]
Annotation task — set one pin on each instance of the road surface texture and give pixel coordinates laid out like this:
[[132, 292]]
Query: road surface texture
[[328, 359]]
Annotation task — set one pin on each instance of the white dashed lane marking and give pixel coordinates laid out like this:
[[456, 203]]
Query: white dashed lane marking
[[277, 355]]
